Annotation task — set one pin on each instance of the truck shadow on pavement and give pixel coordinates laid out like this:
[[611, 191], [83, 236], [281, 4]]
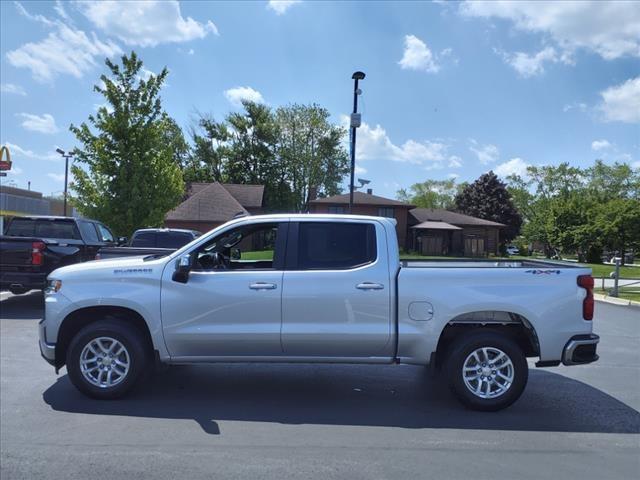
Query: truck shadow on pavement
[[358, 395], [22, 307]]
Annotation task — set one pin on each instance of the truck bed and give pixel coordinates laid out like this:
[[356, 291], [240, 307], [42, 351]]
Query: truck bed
[[487, 263]]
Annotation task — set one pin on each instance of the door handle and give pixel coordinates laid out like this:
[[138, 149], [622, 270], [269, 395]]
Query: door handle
[[369, 286], [263, 286]]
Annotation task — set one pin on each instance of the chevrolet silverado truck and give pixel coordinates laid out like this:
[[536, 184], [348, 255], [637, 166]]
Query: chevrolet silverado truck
[[150, 241], [317, 288], [33, 247]]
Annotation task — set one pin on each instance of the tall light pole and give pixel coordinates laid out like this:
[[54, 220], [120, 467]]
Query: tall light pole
[[66, 157], [355, 123]]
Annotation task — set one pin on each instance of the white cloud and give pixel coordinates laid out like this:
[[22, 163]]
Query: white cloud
[[455, 161], [611, 29], [63, 51], [515, 166], [417, 56], [34, 18], [237, 94], [600, 145], [360, 170], [529, 65], [12, 88], [58, 177], [453, 176], [145, 23], [38, 123], [486, 153], [374, 144], [636, 164], [581, 107], [281, 6], [59, 8], [17, 151], [14, 171], [621, 103]]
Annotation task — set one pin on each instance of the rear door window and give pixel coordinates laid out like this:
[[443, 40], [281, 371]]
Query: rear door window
[[335, 245], [57, 229], [144, 240], [88, 230], [21, 227], [173, 239]]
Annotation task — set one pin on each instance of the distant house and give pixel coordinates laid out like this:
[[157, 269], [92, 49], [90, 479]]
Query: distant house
[[441, 232], [427, 231], [208, 205]]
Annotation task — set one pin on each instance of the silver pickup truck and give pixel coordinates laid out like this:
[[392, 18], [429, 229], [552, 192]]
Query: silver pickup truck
[[317, 288]]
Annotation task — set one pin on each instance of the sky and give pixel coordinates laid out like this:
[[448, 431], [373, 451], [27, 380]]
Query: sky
[[452, 89]]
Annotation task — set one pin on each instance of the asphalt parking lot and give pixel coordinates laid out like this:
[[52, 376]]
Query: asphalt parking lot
[[276, 422]]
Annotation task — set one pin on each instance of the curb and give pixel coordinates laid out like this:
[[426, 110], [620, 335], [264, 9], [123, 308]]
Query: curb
[[615, 301]]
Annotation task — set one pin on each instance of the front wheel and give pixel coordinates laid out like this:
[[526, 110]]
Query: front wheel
[[487, 370], [106, 358]]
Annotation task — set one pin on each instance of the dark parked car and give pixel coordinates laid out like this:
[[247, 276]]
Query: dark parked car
[[151, 241], [32, 247]]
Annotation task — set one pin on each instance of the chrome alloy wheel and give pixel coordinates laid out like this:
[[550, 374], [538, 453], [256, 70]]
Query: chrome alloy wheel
[[104, 362], [488, 372]]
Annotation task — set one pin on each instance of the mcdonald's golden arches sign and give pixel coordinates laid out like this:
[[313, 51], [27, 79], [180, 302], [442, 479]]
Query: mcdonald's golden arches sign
[[5, 164]]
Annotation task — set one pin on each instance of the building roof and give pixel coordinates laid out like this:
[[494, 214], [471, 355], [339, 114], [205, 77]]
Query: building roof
[[440, 215], [435, 226], [209, 203], [360, 198], [249, 196]]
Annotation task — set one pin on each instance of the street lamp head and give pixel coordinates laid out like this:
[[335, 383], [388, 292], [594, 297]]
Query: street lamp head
[[60, 151], [358, 75]]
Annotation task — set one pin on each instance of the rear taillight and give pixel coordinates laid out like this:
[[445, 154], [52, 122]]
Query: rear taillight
[[586, 282], [37, 257]]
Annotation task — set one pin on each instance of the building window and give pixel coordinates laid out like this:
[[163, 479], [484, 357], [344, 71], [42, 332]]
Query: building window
[[386, 212], [334, 209]]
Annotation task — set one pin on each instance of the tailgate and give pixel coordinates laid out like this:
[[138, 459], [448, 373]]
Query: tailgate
[[16, 251]]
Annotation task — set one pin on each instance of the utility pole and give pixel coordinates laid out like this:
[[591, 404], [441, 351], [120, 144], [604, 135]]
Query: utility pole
[[355, 123], [66, 157]]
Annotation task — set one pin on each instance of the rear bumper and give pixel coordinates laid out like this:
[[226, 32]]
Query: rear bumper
[[26, 280], [581, 349]]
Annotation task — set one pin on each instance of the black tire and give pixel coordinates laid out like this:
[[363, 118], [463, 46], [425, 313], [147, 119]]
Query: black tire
[[463, 347], [18, 291], [129, 336]]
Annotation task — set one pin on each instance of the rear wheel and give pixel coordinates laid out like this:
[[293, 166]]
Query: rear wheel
[[106, 358], [487, 370]]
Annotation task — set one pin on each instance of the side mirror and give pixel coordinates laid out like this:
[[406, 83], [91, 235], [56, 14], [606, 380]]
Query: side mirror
[[183, 266], [122, 241], [236, 254]]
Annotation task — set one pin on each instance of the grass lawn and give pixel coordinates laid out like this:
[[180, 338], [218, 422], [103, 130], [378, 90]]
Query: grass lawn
[[602, 270], [628, 294], [257, 255]]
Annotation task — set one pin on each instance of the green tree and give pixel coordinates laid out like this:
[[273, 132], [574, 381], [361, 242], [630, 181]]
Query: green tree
[[127, 170], [310, 153], [430, 194], [489, 199]]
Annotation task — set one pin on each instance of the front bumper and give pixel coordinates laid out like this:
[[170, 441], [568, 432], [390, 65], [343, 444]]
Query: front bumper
[[47, 350], [581, 349]]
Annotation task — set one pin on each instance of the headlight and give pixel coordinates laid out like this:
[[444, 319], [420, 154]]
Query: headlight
[[53, 286]]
